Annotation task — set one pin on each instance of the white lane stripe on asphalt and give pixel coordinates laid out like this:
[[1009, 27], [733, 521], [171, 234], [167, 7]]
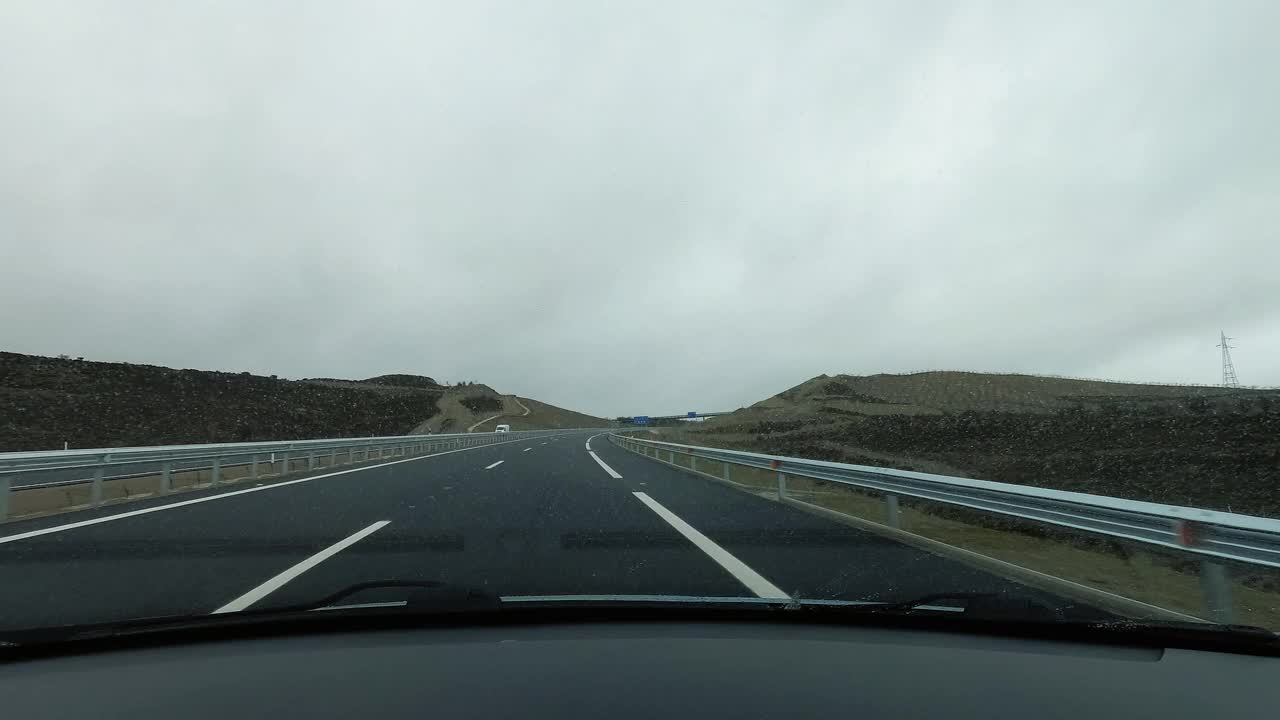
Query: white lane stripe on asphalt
[[754, 581], [528, 449], [612, 473], [490, 467], [278, 581], [233, 493]]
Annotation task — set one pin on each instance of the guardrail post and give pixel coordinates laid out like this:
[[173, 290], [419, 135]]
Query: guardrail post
[[253, 467], [693, 461], [333, 456], [4, 499], [311, 460], [726, 470], [95, 492], [215, 473], [1217, 593], [166, 478], [782, 485], [892, 513], [284, 463]]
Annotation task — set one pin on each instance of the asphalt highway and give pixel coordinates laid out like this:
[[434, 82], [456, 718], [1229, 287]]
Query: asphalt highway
[[540, 517]]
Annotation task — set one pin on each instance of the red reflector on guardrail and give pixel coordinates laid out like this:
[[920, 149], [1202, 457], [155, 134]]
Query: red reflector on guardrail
[[775, 464], [1188, 533]]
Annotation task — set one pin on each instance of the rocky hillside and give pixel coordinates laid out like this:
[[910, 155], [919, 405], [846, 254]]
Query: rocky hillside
[[939, 392], [45, 402], [1197, 446]]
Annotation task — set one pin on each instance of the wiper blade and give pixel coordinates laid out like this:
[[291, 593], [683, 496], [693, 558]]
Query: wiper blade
[[1190, 630], [1027, 611]]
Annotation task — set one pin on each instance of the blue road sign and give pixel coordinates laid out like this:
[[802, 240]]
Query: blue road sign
[[641, 420], [693, 414]]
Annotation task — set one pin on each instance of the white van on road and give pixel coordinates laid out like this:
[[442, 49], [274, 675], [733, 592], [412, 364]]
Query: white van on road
[[502, 428]]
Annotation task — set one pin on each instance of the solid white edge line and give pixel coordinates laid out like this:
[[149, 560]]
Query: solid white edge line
[[490, 467], [233, 493], [527, 449], [612, 473], [754, 581], [278, 581]]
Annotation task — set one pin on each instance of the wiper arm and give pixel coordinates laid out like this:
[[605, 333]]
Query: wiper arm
[[428, 596], [984, 606]]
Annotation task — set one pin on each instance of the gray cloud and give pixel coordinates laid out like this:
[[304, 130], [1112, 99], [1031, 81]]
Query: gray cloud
[[626, 208]]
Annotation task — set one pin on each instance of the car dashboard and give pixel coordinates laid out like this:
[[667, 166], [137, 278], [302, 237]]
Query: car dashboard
[[640, 670]]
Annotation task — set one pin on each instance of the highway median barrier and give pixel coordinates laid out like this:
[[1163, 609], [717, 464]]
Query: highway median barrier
[[34, 484]]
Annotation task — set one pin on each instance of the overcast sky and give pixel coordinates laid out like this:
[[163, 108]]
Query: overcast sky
[[642, 207]]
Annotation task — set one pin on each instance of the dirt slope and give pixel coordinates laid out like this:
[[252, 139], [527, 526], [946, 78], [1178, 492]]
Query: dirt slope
[[462, 406], [545, 416], [480, 408]]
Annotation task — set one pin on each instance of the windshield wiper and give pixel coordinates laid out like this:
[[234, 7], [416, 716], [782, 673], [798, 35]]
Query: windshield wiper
[[418, 602]]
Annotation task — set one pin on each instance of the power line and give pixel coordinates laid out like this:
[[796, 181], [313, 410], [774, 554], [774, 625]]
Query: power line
[[1229, 378]]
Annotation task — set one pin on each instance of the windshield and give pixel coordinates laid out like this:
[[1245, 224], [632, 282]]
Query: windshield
[[959, 309]]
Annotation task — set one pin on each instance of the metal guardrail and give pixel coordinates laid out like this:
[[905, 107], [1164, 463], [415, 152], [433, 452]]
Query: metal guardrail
[[1211, 535], [26, 471]]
